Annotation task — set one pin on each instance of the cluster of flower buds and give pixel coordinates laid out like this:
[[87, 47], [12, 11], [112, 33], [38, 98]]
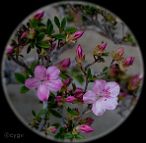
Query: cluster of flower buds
[[99, 49], [9, 50]]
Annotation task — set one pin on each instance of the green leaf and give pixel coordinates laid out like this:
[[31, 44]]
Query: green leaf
[[59, 36], [63, 23], [44, 44], [70, 30], [105, 69], [55, 113], [105, 54], [56, 20], [64, 75], [33, 113], [68, 136], [19, 77], [78, 136], [33, 65], [42, 112], [72, 112], [23, 89], [33, 23], [40, 36], [49, 27], [79, 78]]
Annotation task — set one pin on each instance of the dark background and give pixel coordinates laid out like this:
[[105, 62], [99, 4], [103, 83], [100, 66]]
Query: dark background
[[12, 12]]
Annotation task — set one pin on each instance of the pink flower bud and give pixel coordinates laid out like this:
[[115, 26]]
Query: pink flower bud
[[85, 128], [79, 94], [59, 98], [39, 15], [77, 35], [52, 129], [118, 55], [67, 82], [80, 54], [24, 35], [89, 121], [134, 82], [9, 50], [102, 46], [64, 64], [128, 61], [70, 99]]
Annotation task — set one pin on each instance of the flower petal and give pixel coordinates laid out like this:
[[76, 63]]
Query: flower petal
[[110, 103], [89, 97], [43, 92], [52, 72], [54, 85], [113, 89], [40, 72], [98, 108], [99, 86], [32, 83]]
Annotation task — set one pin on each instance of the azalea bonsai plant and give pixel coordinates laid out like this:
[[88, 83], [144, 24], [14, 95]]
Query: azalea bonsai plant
[[63, 87]]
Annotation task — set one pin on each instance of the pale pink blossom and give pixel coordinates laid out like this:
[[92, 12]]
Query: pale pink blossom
[[45, 81], [84, 128], [103, 96], [70, 99]]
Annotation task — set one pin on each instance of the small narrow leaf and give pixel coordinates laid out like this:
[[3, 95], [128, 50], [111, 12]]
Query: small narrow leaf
[[56, 20], [23, 89], [55, 113], [63, 23], [49, 27], [70, 30], [33, 113], [60, 36], [44, 44], [19, 77]]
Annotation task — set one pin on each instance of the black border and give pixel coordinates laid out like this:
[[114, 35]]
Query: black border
[[132, 12]]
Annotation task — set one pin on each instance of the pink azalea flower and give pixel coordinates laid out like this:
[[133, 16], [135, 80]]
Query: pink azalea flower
[[39, 15], [85, 128], [80, 56], [103, 96], [45, 81], [70, 99], [64, 64]]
